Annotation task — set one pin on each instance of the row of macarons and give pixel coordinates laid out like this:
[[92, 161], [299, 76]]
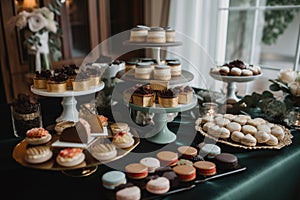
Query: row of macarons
[[149, 94], [159, 172], [156, 34]]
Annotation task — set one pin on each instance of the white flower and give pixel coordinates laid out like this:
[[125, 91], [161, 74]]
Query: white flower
[[295, 88], [47, 13], [287, 76], [21, 20], [51, 26], [36, 22]]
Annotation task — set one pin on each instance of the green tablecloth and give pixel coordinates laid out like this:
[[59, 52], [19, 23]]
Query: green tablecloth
[[270, 174]]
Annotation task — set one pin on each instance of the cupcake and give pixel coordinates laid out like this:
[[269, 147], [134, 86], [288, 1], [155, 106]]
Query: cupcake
[[185, 94], [71, 71], [40, 79], [57, 83], [81, 82], [143, 96], [168, 98], [95, 75]]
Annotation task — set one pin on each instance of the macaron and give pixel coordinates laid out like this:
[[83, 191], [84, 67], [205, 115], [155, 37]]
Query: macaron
[[38, 154], [167, 158], [205, 168], [158, 185], [187, 152], [151, 163], [136, 171], [210, 150], [112, 179], [119, 127], [132, 193], [226, 161], [185, 172]]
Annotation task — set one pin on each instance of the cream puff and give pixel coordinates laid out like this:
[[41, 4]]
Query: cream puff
[[37, 136]]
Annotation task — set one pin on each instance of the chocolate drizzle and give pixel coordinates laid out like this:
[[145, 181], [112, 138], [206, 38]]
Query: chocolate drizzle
[[144, 90], [169, 93], [44, 74], [236, 63]]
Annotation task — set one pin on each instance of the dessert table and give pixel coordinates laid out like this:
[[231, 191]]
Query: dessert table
[[270, 174]]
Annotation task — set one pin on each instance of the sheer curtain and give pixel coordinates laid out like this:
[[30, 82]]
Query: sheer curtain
[[203, 30]]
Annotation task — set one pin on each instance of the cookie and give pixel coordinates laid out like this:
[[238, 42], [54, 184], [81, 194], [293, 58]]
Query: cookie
[[273, 141], [221, 121], [223, 132], [249, 129], [234, 126], [262, 136], [264, 127], [207, 125], [249, 140], [278, 132], [237, 136]]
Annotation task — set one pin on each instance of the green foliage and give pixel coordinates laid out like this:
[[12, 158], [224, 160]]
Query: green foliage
[[55, 39], [261, 105], [276, 21]]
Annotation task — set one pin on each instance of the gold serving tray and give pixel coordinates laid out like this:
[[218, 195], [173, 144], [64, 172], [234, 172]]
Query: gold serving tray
[[287, 140], [90, 161]]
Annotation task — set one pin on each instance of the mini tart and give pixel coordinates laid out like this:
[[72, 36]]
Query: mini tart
[[38, 154], [136, 171], [95, 75], [36, 136], [205, 168], [123, 140], [167, 158], [70, 157], [40, 79], [185, 172], [158, 185], [81, 82], [104, 151], [187, 151]]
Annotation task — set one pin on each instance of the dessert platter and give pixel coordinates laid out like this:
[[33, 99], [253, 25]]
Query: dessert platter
[[245, 132], [81, 153], [168, 172], [235, 72]]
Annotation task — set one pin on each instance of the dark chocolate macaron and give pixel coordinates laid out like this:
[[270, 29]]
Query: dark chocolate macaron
[[226, 161]]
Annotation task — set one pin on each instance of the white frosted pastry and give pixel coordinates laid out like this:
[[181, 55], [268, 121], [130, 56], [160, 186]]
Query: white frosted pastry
[[123, 140], [237, 136], [69, 157], [36, 136], [38, 154], [234, 126], [262, 137], [278, 132], [223, 132], [249, 129], [104, 151], [162, 72], [264, 127], [221, 121], [272, 141], [249, 140]]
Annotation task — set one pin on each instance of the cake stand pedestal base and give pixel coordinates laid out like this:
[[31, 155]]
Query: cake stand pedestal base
[[161, 134], [70, 112]]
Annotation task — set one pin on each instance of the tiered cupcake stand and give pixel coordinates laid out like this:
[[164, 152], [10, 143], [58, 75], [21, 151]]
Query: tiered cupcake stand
[[160, 134]]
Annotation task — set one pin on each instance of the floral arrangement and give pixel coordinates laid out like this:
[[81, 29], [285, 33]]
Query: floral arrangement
[[41, 31], [288, 82]]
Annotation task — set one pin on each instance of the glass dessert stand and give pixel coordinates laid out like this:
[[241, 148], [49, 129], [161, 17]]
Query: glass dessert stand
[[231, 83], [160, 134], [70, 112]]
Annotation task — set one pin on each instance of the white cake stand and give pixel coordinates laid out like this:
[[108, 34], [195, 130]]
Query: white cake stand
[[70, 112], [231, 83]]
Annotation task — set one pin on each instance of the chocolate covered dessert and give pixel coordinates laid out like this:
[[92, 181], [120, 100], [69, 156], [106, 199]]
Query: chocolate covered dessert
[[143, 96], [168, 98], [26, 114], [80, 133], [40, 79]]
